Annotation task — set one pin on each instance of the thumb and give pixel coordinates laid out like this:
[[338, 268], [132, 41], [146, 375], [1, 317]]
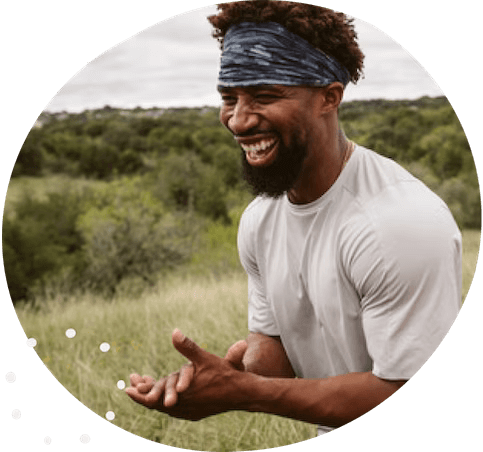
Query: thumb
[[188, 348], [235, 354]]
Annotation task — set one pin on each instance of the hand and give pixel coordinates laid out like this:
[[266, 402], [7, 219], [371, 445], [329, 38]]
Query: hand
[[199, 376], [180, 381]]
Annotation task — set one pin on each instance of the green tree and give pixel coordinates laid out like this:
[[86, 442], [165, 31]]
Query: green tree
[[98, 159], [184, 182], [444, 150], [178, 139], [127, 232], [117, 134], [40, 239], [30, 159]]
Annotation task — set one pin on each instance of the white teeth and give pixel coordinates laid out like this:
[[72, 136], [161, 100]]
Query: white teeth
[[257, 148]]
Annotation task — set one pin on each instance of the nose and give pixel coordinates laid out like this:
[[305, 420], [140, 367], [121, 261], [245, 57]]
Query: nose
[[242, 118]]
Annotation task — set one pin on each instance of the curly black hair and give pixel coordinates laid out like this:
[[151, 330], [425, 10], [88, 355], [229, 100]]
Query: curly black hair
[[325, 29]]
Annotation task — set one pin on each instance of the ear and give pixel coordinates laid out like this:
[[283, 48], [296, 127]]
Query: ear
[[330, 97]]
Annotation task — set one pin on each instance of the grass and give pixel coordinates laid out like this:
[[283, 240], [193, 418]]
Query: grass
[[210, 311], [471, 246], [213, 313]]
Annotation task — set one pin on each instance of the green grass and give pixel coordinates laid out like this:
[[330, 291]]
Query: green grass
[[471, 246], [213, 313], [210, 311]]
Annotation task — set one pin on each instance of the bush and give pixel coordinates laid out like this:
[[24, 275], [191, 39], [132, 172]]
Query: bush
[[30, 159], [40, 239], [463, 201], [185, 183], [94, 238], [98, 160], [127, 233]]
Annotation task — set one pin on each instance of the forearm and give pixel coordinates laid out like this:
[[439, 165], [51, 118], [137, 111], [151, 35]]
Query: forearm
[[333, 401]]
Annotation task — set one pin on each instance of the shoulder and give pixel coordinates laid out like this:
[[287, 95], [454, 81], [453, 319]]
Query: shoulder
[[398, 229], [406, 219], [391, 197], [258, 213], [251, 222], [372, 173]]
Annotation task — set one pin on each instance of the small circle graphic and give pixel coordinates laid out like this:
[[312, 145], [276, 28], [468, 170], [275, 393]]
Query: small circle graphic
[[70, 333], [84, 439], [10, 377], [104, 347], [16, 414], [32, 342], [121, 384], [110, 415]]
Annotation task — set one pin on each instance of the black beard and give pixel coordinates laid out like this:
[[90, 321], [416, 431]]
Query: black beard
[[279, 177]]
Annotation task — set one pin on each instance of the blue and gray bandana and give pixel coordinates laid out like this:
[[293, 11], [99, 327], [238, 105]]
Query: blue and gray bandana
[[268, 54]]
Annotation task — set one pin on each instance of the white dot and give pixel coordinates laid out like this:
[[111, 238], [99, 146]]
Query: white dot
[[104, 347], [85, 439], [121, 384], [16, 414], [70, 333], [10, 377], [32, 342], [47, 440], [110, 415]]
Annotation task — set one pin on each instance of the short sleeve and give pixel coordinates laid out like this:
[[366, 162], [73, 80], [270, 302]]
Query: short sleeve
[[405, 264], [260, 313]]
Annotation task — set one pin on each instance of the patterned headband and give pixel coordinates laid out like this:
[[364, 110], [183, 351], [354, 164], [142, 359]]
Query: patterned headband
[[268, 54]]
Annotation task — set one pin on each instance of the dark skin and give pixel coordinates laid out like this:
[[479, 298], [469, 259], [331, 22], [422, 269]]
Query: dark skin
[[255, 375], [264, 112]]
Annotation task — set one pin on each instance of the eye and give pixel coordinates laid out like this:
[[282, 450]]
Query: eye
[[228, 99], [266, 98]]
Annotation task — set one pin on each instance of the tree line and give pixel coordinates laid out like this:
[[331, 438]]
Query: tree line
[[164, 183]]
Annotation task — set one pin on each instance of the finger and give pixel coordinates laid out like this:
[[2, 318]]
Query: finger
[[148, 384], [135, 379], [185, 377], [155, 395], [187, 347], [170, 394], [136, 396]]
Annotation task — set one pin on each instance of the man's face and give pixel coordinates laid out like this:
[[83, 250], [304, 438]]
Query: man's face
[[272, 124]]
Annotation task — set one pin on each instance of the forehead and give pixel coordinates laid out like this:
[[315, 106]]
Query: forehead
[[253, 89]]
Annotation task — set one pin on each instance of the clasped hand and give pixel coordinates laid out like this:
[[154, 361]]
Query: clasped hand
[[203, 387]]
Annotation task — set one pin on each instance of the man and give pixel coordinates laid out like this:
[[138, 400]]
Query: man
[[354, 266]]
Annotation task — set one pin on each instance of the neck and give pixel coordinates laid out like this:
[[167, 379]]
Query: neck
[[322, 167]]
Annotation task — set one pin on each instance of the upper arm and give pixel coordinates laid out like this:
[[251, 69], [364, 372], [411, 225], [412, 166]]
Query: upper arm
[[266, 356], [407, 271]]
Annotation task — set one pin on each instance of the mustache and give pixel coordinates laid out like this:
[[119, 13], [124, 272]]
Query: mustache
[[250, 133]]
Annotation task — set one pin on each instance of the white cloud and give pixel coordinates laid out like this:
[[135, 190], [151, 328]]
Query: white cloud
[[176, 62], [390, 71]]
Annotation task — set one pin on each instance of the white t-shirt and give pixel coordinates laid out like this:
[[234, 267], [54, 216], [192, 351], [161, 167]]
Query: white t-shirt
[[365, 278]]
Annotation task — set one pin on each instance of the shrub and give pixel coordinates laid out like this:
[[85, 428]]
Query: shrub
[[127, 232], [40, 239], [185, 183]]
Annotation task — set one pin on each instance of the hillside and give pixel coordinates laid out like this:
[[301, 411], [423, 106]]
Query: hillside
[[113, 198]]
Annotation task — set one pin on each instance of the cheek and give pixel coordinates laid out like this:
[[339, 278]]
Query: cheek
[[293, 130], [224, 116]]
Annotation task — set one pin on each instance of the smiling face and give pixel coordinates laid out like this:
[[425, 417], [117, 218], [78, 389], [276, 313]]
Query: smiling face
[[273, 126]]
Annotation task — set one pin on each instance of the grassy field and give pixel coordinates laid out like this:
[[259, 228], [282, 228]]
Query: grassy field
[[471, 246], [212, 312]]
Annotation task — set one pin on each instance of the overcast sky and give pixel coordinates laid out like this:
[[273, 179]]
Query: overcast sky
[[175, 63]]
